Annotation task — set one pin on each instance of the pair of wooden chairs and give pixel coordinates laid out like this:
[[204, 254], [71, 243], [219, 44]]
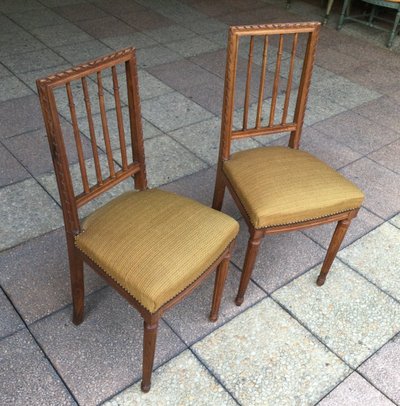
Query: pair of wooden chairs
[[155, 247]]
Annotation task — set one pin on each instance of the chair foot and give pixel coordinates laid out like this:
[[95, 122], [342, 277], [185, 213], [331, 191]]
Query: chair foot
[[239, 300], [77, 319], [321, 280], [213, 318], [144, 388]]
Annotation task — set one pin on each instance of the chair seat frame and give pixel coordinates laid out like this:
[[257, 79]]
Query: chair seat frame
[[71, 202]]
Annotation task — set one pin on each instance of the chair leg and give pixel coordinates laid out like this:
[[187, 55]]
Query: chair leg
[[220, 278], [328, 11], [345, 7], [394, 29], [249, 261], [334, 246], [77, 288], [219, 191], [149, 346]]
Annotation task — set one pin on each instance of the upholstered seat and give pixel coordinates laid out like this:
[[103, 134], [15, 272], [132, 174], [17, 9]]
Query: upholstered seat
[[155, 244], [280, 185]]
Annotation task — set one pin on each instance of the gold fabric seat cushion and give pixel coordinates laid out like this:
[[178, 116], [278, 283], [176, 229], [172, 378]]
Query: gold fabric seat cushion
[[279, 185], [155, 244]]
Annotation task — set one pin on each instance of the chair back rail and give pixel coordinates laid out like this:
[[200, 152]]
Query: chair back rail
[[80, 76], [276, 123]]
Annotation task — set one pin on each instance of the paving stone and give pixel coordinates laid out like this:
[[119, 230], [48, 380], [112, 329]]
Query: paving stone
[[146, 20], [41, 262], [26, 212], [172, 111], [119, 8], [15, 6], [220, 37], [37, 18], [79, 12], [350, 315], [200, 186], [205, 25], [382, 369], [9, 318], [396, 220], [136, 39], [328, 58], [192, 46], [377, 257], [103, 355], [157, 55], [343, 91], [61, 34], [189, 319], [380, 186], [281, 257], [183, 74], [4, 71], [166, 161], [388, 156], [26, 376], [86, 51], [320, 108], [27, 109], [361, 225], [264, 356], [28, 61], [18, 42], [7, 26], [384, 110], [357, 132], [55, 3], [11, 170], [105, 27], [203, 140], [375, 76], [178, 382], [169, 34], [12, 88], [356, 391]]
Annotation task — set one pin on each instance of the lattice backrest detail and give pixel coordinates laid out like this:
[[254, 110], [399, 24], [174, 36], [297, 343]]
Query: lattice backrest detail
[[90, 100], [264, 69]]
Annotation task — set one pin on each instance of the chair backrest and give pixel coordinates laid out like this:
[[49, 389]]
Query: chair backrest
[[92, 103], [270, 80]]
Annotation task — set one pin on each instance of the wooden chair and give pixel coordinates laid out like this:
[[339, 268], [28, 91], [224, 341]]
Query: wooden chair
[[278, 189], [152, 246]]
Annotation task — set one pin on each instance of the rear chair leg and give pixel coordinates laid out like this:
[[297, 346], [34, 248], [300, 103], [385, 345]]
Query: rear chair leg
[[249, 261], [77, 288], [334, 246], [149, 346], [220, 278], [219, 191]]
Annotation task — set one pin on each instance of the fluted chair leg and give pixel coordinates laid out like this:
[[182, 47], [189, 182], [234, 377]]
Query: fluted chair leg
[[334, 246], [220, 278], [77, 288], [149, 347], [249, 261]]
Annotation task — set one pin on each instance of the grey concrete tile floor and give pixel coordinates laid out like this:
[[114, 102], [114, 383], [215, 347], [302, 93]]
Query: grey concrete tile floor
[[290, 342]]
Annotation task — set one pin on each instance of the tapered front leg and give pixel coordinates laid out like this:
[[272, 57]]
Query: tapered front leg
[[149, 347], [249, 261], [334, 246], [220, 279], [77, 287]]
